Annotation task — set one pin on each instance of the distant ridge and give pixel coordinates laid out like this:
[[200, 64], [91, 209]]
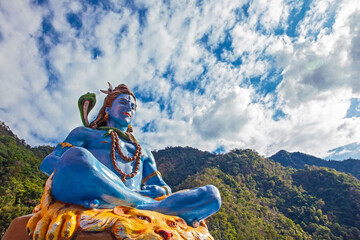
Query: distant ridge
[[298, 160]]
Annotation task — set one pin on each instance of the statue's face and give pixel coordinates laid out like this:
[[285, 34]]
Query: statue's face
[[122, 110]]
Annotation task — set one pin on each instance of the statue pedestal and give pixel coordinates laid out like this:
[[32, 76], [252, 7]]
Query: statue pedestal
[[79, 223], [17, 228], [17, 231]]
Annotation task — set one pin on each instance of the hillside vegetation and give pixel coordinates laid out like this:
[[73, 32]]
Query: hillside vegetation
[[264, 200], [261, 198], [21, 180]]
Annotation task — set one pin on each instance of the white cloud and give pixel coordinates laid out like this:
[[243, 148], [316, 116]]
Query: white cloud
[[320, 72], [345, 152], [226, 116], [269, 14], [321, 12]]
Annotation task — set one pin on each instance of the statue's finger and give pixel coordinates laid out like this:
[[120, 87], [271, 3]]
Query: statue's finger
[[69, 226], [31, 225], [46, 198], [37, 208], [54, 227], [41, 229]]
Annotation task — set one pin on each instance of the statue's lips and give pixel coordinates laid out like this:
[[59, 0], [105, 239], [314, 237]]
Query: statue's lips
[[128, 114]]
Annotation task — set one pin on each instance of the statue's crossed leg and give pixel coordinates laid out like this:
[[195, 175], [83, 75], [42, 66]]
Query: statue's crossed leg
[[104, 187]]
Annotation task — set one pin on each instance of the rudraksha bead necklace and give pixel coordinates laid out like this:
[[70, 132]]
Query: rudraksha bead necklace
[[137, 156]]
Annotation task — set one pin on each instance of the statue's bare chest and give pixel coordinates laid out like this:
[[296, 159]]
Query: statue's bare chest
[[101, 141], [101, 146]]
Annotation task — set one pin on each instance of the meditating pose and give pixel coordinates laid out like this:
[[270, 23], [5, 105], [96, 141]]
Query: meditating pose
[[102, 165]]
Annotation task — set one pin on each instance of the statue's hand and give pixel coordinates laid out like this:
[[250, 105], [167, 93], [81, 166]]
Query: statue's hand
[[153, 191]]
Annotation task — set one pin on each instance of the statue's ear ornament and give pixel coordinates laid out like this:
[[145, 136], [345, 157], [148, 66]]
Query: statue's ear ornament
[[129, 129], [106, 117]]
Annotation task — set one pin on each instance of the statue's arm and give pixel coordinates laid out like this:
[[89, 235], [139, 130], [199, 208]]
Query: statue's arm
[[153, 184], [76, 138]]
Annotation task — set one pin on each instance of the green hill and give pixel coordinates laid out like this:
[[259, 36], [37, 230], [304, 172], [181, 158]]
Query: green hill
[[22, 182], [261, 198], [264, 200]]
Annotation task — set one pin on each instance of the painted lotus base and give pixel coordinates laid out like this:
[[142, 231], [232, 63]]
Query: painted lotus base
[[56, 220]]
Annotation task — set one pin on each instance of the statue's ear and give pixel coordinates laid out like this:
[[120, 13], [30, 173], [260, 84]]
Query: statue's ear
[[122, 210], [107, 109]]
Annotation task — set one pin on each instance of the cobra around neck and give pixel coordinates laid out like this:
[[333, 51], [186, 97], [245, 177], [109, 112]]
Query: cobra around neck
[[114, 124]]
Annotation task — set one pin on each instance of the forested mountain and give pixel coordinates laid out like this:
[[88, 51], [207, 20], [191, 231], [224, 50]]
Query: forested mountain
[[298, 160], [264, 200], [21, 182], [261, 198]]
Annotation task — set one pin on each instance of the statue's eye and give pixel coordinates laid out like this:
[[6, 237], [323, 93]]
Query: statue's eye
[[171, 223], [145, 218]]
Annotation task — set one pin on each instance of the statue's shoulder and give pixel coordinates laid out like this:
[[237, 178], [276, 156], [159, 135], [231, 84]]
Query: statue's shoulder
[[85, 132], [80, 130]]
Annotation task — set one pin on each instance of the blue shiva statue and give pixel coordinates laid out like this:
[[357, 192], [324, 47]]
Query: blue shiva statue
[[102, 165]]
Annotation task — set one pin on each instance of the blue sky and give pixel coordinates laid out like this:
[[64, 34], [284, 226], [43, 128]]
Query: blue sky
[[215, 75]]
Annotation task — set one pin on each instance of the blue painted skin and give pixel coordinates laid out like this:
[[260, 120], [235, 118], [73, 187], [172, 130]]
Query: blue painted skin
[[84, 174]]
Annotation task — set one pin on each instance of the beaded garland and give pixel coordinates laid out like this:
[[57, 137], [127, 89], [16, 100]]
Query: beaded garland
[[116, 146]]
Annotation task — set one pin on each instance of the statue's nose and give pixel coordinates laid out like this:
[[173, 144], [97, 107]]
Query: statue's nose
[[167, 235], [127, 107]]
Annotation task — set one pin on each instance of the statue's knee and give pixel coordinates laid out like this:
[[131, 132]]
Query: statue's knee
[[75, 151], [76, 155], [213, 194]]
